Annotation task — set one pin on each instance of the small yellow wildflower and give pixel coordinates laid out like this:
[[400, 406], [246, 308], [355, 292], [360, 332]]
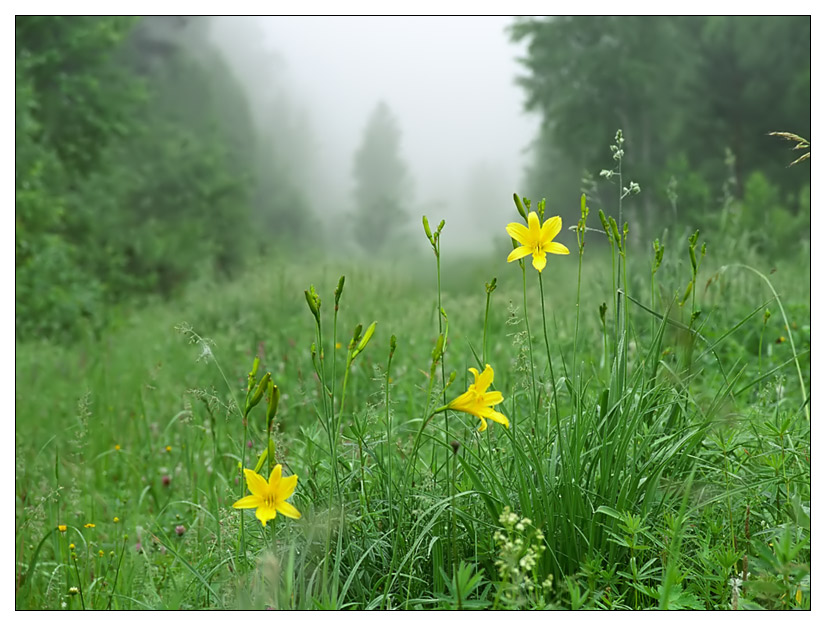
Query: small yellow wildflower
[[478, 401], [71, 546], [269, 497], [116, 520], [117, 446], [169, 448], [89, 525], [338, 345], [62, 527], [101, 553], [536, 240]]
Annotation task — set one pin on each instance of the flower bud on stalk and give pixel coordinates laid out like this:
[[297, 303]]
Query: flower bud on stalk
[[520, 207], [339, 289], [687, 292], [259, 393], [365, 340], [314, 302], [356, 336], [251, 375], [426, 225]]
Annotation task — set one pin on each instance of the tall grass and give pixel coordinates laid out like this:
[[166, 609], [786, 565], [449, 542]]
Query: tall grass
[[657, 454]]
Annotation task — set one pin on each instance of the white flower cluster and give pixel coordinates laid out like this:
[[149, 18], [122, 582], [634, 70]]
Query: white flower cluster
[[520, 548]]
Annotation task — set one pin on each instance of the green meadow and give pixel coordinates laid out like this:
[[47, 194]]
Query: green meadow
[[252, 373], [653, 458]]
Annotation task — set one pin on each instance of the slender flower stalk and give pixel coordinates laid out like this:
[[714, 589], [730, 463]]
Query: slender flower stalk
[[551, 365], [489, 289], [536, 240]]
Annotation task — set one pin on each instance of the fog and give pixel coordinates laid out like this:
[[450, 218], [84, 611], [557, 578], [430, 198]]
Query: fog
[[450, 81]]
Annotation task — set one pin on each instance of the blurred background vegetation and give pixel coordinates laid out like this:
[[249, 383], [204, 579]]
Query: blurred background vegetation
[[142, 164]]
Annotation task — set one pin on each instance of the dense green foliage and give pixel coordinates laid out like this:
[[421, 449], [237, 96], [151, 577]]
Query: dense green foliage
[[684, 90], [138, 167]]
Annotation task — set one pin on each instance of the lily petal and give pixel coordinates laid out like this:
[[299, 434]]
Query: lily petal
[[463, 403], [518, 253], [248, 502], [275, 477], [493, 397], [539, 261], [496, 417], [286, 488], [533, 226], [256, 483], [265, 513], [555, 247], [519, 232], [287, 509], [484, 425], [550, 229], [485, 379]]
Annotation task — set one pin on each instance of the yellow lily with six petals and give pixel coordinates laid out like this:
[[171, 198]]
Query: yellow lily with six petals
[[536, 240], [269, 497], [478, 401]]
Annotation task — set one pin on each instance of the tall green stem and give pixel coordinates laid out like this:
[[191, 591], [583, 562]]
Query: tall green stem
[[553, 378], [535, 404]]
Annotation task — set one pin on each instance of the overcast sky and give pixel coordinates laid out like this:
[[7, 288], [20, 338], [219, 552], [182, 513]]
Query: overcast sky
[[450, 81]]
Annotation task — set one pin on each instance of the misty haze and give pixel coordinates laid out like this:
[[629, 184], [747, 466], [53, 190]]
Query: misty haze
[[410, 313]]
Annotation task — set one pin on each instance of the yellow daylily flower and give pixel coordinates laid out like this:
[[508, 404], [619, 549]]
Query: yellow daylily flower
[[536, 240], [269, 497], [478, 401]]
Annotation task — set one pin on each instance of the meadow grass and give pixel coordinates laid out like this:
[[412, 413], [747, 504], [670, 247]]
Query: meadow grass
[[655, 457]]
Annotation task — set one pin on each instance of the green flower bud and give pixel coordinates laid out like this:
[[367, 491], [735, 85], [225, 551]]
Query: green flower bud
[[339, 289], [314, 302], [356, 336], [366, 339], [259, 393], [687, 292], [261, 459], [520, 207], [437, 350], [615, 230], [605, 225], [251, 375], [426, 225]]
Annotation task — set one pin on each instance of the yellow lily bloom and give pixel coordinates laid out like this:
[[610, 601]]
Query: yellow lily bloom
[[536, 240], [478, 401], [269, 497]]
